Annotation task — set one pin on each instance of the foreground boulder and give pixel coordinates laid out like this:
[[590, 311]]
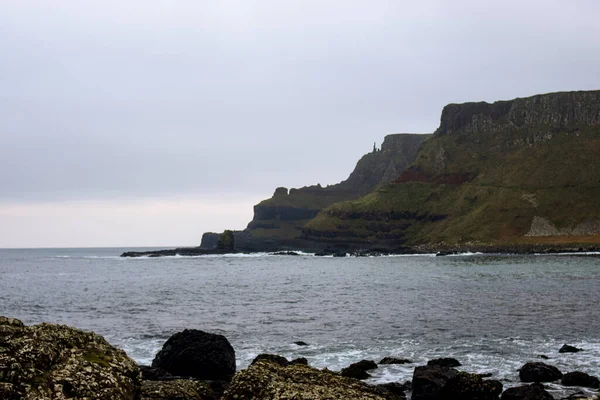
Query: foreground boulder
[[534, 391], [359, 369], [49, 361], [539, 372], [269, 380], [580, 379], [197, 354], [434, 382]]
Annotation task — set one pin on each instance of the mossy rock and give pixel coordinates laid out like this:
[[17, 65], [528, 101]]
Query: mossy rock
[[268, 380], [49, 361]]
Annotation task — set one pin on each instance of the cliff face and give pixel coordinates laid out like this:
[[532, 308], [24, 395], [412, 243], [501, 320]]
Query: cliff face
[[524, 171], [278, 221]]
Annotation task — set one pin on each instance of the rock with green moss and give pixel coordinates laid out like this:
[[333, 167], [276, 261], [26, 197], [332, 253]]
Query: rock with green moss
[[268, 380], [226, 241], [178, 389], [49, 361]]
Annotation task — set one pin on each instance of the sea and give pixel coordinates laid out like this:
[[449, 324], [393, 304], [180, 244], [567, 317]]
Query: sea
[[491, 312]]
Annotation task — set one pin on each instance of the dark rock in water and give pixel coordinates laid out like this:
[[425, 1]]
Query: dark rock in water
[[544, 357], [569, 349], [577, 396], [340, 254], [179, 389], [445, 253], [49, 361], [445, 362], [467, 386], [299, 360], [428, 381], [394, 360], [279, 360], [267, 380], [534, 391], [392, 390], [155, 374], [539, 372], [580, 379], [285, 253], [359, 369], [197, 354], [434, 382], [271, 358], [486, 375], [300, 343]]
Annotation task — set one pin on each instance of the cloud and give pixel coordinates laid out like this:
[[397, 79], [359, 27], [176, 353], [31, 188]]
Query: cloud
[[120, 100]]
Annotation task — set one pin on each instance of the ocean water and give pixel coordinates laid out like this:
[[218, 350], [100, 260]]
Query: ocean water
[[491, 312]]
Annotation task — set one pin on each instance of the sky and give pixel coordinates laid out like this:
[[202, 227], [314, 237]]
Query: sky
[[147, 123]]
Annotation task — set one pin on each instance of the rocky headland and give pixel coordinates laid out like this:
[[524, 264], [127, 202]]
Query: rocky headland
[[515, 176], [49, 361]]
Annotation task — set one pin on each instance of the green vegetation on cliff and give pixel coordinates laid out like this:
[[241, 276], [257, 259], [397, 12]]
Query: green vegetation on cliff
[[524, 171], [282, 217]]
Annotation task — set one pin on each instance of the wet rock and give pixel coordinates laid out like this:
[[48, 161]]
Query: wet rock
[[467, 386], [179, 389], [299, 360], [359, 369], [578, 396], [580, 379], [428, 381], [434, 382], [394, 360], [271, 358], [569, 349], [544, 357], [300, 343], [392, 390], [266, 380], [445, 362], [49, 361], [534, 391], [155, 374], [539, 372], [197, 354]]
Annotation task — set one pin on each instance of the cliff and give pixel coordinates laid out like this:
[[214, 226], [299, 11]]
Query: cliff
[[512, 173], [278, 221]]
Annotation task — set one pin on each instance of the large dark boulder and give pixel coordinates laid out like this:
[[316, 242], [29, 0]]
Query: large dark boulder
[[49, 361], [359, 369], [539, 372], [569, 349], [445, 362], [467, 386], [534, 391], [434, 382], [580, 379], [428, 381], [197, 354]]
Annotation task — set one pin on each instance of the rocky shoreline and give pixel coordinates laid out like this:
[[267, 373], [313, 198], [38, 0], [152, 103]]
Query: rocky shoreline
[[49, 361], [354, 252]]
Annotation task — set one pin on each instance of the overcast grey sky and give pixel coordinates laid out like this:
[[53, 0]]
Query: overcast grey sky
[[149, 122]]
